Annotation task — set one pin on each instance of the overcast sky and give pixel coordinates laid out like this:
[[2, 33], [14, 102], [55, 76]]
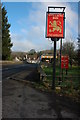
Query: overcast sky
[[28, 23]]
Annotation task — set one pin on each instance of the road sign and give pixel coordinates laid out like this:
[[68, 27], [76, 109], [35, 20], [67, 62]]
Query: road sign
[[64, 62], [55, 25]]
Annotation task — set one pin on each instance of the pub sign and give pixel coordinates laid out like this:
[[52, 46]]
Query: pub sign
[[55, 25], [64, 62]]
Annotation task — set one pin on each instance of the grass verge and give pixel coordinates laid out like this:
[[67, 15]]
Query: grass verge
[[68, 85]]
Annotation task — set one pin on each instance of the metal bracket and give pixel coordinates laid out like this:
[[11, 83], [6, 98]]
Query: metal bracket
[[56, 7], [55, 39]]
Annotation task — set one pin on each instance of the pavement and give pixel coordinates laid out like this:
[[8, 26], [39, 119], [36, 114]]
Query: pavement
[[20, 100]]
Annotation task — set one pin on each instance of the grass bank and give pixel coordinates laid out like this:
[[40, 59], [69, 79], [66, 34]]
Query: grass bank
[[10, 62], [68, 85]]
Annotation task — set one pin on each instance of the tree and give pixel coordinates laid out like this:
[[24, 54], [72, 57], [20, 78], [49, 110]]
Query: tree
[[0, 34], [68, 49], [6, 40], [32, 51], [78, 51]]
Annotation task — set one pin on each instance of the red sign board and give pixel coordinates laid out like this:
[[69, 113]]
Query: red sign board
[[55, 25], [64, 62]]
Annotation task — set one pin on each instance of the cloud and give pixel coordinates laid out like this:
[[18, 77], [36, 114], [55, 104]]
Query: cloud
[[25, 45], [34, 35], [40, 1], [20, 43], [71, 17], [24, 31], [40, 15]]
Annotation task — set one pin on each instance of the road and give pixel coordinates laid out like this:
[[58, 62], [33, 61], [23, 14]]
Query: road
[[20, 100], [0, 91]]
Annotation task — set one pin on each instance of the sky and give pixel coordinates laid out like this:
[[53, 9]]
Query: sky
[[28, 24]]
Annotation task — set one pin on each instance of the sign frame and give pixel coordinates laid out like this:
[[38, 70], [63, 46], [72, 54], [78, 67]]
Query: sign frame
[[63, 24]]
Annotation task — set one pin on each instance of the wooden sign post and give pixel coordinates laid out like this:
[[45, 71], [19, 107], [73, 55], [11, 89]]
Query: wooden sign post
[[55, 25]]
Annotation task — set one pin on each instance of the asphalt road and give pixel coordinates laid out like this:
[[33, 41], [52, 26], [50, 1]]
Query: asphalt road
[[19, 100], [0, 91]]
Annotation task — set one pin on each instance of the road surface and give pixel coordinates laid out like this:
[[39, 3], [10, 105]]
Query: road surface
[[19, 100]]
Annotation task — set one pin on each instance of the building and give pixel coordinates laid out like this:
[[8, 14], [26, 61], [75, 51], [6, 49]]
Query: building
[[47, 58]]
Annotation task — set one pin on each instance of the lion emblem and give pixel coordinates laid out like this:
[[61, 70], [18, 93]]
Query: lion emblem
[[56, 26]]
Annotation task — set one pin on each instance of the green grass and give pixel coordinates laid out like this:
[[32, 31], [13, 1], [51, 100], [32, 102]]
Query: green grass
[[70, 84]]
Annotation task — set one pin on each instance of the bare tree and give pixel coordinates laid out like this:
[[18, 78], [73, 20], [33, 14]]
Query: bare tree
[[68, 49]]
